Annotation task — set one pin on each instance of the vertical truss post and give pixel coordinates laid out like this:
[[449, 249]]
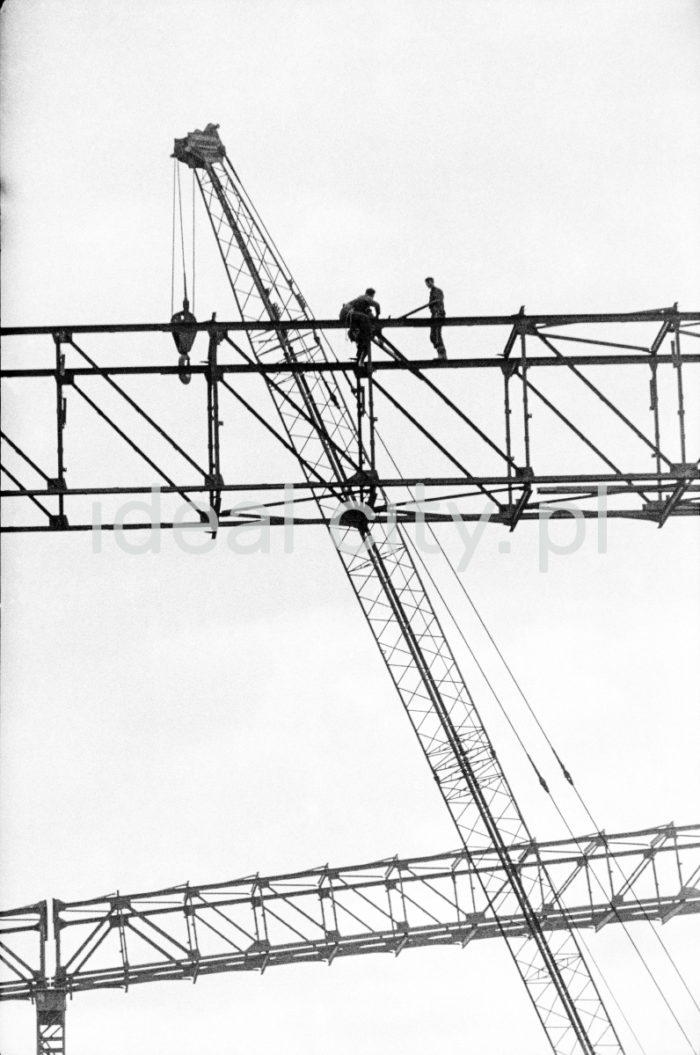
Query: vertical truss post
[[370, 410], [214, 479], [191, 924], [654, 397], [508, 370], [676, 355], [59, 483], [654, 407], [366, 452], [329, 912], [507, 373], [522, 326], [50, 1022], [359, 394]]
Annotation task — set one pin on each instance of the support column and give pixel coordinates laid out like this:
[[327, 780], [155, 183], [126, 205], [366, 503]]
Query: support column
[[214, 478], [60, 520], [50, 1022]]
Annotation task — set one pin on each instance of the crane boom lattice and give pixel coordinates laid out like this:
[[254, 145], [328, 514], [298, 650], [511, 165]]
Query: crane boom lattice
[[399, 612]]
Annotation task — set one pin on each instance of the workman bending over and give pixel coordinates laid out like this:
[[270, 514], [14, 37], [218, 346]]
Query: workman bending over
[[362, 323], [436, 304]]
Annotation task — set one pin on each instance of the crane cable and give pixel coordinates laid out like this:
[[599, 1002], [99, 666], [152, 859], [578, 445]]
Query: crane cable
[[563, 768], [172, 248], [194, 213], [568, 777], [182, 234], [540, 778], [537, 772], [177, 211]]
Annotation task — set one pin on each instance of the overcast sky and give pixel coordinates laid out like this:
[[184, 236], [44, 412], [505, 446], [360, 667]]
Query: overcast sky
[[170, 717]]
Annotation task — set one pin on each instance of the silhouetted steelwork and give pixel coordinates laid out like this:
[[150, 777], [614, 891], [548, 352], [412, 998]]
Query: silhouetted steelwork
[[50, 1022], [23, 936], [328, 411], [502, 473], [337, 448], [396, 903]]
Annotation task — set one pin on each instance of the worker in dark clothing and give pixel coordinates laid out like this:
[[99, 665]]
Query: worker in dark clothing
[[436, 304], [362, 314]]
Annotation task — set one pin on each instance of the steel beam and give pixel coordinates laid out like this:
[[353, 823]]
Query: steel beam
[[388, 905], [662, 315], [674, 492]]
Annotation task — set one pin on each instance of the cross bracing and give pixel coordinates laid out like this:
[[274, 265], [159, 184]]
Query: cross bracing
[[637, 461], [315, 415], [328, 411], [316, 916]]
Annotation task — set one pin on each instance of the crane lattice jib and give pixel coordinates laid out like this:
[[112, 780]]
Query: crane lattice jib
[[383, 574]]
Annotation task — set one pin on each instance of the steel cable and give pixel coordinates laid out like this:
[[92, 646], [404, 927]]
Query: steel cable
[[541, 780]]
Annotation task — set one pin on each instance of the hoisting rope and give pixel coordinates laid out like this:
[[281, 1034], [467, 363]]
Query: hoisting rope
[[540, 778], [182, 233], [194, 213], [172, 247], [178, 213]]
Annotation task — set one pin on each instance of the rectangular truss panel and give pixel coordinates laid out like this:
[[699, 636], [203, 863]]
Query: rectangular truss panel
[[23, 934]]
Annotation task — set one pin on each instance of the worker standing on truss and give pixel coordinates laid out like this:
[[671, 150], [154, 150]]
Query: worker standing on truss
[[436, 304], [362, 324]]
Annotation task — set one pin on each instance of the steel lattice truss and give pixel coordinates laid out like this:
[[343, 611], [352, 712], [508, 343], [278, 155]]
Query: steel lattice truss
[[23, 936], [256, 922], [385, 579], [624, 412], [328, 411]]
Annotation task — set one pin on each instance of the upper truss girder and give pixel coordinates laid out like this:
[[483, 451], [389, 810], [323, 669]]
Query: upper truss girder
[[501, 466]]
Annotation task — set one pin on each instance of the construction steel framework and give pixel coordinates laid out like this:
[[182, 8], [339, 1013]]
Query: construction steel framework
[[189, 931], [503, 882], [514, 472]]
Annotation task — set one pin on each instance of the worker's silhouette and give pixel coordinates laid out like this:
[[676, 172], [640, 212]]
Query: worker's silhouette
[[361, 316], [436, 304]]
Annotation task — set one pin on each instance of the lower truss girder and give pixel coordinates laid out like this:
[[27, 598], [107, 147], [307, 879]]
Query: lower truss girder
[[383, 906]]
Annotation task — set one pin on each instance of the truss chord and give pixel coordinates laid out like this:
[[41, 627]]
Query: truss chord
[[685, 318], [333, 365]]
